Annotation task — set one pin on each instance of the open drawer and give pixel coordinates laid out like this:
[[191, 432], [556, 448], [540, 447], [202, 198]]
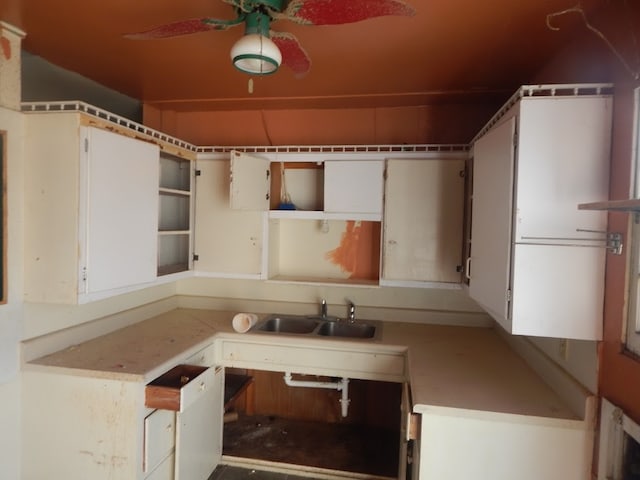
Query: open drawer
[[179, 387]]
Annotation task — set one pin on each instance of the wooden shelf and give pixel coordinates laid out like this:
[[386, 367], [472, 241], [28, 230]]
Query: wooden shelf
[[630, 205], [319, 215], [325, 280]]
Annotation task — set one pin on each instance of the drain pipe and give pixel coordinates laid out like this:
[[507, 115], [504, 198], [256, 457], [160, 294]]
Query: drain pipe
[[342, 385]]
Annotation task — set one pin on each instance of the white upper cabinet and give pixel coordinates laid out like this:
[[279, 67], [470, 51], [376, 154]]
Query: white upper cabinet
[[318, 217], [91, 210], [537, 262], [563, 147], [310, 186], [423, 220], [491, 228], [228, 242]]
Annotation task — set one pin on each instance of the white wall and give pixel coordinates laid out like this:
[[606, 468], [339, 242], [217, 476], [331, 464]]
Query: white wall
[[448, 306], [11, 312]]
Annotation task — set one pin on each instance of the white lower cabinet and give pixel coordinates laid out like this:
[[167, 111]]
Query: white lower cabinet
[[159, 438], [459, 445], [79, 427], [194, 397]]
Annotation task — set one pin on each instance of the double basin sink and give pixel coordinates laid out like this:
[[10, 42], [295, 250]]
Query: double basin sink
[[316, 326]]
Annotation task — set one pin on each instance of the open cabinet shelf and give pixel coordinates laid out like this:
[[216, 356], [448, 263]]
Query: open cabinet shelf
[[175, 214], [335, 251]]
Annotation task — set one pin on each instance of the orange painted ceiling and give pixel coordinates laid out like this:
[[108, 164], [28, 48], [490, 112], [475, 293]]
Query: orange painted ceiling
[[448, 49]]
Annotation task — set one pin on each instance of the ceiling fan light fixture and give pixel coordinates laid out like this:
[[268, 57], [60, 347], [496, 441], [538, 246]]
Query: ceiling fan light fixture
[[256, 54]]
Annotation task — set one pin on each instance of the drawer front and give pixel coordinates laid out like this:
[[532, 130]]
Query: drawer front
[[366, 365], [182, 383], [197, 387], [165, 471], [159, 437], [203, 358]]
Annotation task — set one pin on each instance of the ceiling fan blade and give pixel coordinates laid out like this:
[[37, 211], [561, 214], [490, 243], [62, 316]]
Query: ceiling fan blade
[[335, 12], [293, 55], [184, 27]]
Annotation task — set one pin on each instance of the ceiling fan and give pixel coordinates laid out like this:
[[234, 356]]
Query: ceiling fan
[[261, 50]]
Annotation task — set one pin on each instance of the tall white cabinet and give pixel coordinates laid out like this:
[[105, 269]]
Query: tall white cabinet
[[91, 210], [537, 262]]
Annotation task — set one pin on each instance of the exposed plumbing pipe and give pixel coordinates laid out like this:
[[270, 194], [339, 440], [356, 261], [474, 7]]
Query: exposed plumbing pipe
[[342, 385]]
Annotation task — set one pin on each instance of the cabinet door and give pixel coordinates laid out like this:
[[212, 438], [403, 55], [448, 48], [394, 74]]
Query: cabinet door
[[423, 213], [489, 268], [563, 160], [121, 211], [199, 432], [227, 242], [353, 186], [250, 182], [558, 291]]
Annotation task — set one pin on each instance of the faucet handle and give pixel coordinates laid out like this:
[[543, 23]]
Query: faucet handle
[[323, 308], [352, 311]]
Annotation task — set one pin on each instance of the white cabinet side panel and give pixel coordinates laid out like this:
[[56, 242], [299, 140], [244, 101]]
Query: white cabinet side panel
[[81, 428], [226, 241], [51, 191], [492, 220], [423, 220], [558, 291], [563, 160], [353, 186], [122, 211]]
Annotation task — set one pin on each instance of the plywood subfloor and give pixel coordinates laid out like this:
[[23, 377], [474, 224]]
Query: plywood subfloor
[[345, 447]]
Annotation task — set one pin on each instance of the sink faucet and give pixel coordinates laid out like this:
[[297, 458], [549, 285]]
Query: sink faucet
[[323, 308], [352, 311]]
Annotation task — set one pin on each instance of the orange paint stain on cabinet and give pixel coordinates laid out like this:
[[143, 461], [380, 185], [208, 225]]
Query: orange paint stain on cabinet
[[359, 250]]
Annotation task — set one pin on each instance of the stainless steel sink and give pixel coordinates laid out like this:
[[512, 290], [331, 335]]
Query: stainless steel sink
[[350, 330], [288, 324], [315, 326]]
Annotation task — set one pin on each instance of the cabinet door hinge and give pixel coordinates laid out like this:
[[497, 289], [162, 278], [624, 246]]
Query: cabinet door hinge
[[196, 257], [83, 275], [86, 145], [197, 172], [508, 295], [515, 138]]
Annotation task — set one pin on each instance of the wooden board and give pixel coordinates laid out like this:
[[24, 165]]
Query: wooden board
[[164, 391]]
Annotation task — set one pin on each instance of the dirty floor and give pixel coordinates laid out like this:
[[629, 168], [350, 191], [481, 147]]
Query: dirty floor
[[228, 472], [345, 447]]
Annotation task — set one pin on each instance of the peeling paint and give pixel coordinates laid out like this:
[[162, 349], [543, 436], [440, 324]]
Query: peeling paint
[[5, 46], [355, 254]]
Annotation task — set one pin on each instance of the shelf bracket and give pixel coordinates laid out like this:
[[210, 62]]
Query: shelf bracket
[[612, 241]]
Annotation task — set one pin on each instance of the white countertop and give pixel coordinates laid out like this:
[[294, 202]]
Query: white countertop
[[460, 368]]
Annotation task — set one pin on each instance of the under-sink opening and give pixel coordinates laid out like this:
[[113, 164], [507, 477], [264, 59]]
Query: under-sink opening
[[270, 421]]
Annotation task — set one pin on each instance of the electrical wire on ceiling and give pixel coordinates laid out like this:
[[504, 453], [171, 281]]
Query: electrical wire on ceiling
[[635, 73]]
